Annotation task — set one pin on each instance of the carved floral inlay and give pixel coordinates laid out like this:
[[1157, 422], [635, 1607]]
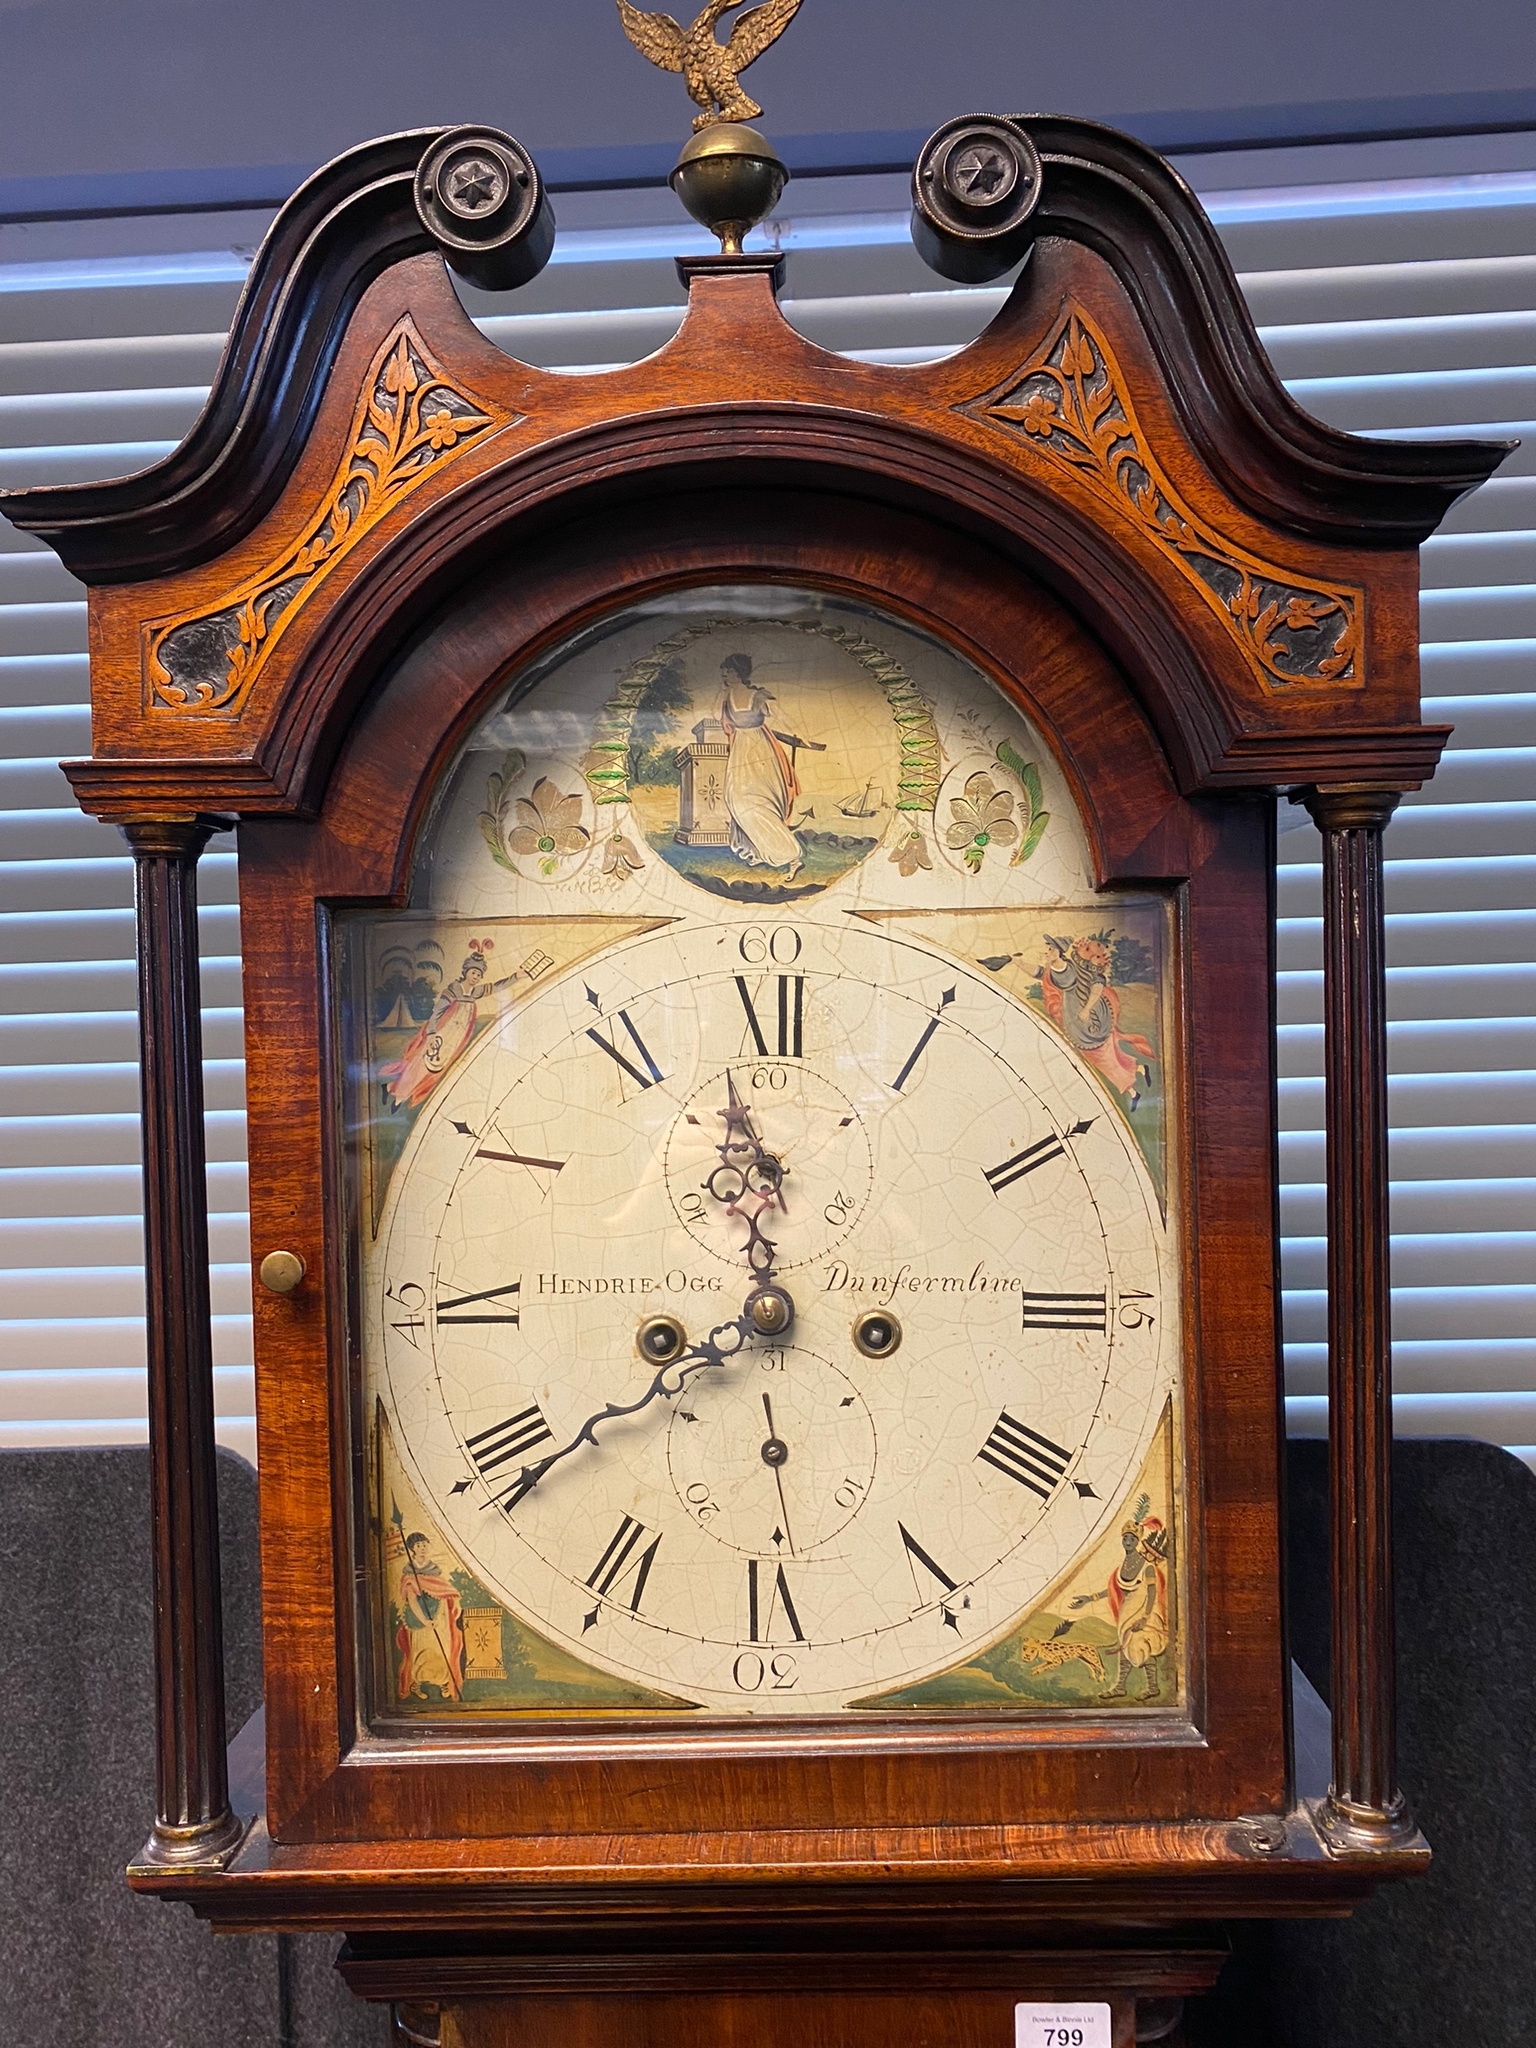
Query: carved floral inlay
[[410, 420], [1070, 405]]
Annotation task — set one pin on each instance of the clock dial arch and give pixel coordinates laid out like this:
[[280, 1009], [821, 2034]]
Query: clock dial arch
[[803, 1075]]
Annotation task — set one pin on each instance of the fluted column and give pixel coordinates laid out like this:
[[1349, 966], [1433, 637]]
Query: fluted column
[[194, 1822], [1365, 1806]]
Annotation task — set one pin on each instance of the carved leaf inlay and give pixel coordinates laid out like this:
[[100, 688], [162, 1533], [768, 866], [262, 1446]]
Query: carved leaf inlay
[[410, 420], [1069, 405]]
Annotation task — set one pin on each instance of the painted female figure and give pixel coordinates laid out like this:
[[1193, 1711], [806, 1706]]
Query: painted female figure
[[410, 1079], [1085, 1008], [760, 781], [430, 1638]]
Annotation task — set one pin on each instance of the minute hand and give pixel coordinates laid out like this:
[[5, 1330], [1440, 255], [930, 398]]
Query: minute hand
[[666, 1386]]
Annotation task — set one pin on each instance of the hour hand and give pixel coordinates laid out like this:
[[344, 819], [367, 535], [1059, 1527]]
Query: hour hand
[[740, 1148]]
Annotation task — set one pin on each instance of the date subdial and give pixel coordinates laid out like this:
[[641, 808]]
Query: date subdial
[[798, 1119], [776, 1460]]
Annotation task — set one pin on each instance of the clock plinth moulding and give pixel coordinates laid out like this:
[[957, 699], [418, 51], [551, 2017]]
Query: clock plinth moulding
[[1220, 596]]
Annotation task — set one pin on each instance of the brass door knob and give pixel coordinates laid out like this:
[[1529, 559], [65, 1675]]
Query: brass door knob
[[281, 1272]]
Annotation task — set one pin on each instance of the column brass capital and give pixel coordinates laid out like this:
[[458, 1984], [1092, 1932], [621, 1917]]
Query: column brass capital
[[173, 836], [1348, 806]]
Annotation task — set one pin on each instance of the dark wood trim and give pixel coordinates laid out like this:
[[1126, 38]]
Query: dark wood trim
[[356, 219], [1364, 1802], [786, 2018], [194, 1824], [1382, 757], [751, 263], [1116, 196], [394, 1970], [1141, 1965], [353, 219], [113, 790]]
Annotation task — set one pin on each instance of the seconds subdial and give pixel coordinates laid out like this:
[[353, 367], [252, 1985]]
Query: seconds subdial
[[798, 1119], [777, 1458]]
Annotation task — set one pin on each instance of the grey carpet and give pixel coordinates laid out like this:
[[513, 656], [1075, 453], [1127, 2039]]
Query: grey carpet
[[1448, 1957], [83, 1962]]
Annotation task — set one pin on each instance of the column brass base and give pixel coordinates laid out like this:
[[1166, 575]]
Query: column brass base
[[208, 1846]]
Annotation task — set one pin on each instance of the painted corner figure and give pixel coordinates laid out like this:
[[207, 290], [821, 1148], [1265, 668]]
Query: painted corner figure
[[430, 1638], [761, 785], [1080, 1001], [410, 1079], [1137, 1594]]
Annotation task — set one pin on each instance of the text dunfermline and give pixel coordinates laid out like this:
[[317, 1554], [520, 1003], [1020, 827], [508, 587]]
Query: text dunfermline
[[884, 1286]]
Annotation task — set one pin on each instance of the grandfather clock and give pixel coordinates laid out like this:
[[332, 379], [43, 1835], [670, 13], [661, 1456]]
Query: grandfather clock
[[756, 892]]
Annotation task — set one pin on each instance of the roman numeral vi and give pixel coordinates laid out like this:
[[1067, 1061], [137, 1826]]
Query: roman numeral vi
[[760, 1615]]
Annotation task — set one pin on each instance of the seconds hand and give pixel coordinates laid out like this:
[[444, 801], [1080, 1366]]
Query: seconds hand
[[775, 1455]]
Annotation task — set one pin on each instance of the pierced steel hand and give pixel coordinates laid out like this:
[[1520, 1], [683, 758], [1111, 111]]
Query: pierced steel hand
[[666, 1386], [748, 1174], [775, 1455]]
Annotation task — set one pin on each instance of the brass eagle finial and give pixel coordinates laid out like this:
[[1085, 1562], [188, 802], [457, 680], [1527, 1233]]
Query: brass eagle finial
[[709, 67]]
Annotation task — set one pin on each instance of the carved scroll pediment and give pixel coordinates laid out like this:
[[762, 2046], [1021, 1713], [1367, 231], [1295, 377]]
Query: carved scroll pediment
[[1070, 405], [411, 419]]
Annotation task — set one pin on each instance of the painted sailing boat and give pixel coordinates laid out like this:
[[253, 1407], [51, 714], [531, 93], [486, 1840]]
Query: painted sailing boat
[[863, 803]]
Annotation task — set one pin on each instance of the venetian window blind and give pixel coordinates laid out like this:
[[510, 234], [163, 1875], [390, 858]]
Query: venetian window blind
[[1401, 308]]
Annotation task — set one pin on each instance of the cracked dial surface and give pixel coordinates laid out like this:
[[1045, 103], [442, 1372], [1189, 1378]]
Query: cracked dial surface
[[773, 1021], [989, 1185]]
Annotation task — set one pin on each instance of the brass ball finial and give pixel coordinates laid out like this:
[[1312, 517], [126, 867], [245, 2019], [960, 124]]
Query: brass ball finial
[[729, 177]]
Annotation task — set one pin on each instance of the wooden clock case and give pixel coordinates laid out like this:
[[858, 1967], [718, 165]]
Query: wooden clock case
[[296, 619]]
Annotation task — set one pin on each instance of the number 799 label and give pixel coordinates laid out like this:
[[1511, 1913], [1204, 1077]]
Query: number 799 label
[[1062, 2026]]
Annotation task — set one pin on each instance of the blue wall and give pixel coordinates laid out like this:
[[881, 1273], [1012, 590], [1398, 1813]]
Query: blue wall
[[138, 103]]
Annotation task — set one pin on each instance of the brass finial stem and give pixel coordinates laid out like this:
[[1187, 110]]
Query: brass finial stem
[[728, 176]]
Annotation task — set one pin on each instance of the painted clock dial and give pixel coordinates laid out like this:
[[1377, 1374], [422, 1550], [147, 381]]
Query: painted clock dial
[[764, 1191]]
